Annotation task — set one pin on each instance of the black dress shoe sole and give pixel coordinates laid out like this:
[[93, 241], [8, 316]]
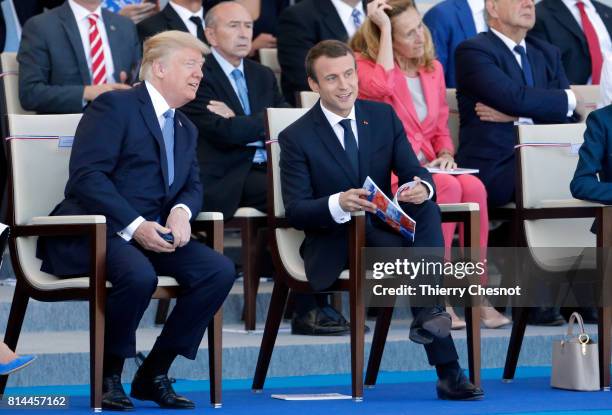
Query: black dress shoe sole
[[142, 397], [446, 397], [116, 408], [313, 332]]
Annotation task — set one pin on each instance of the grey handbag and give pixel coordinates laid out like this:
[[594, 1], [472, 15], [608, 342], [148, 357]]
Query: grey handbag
[[575, 362]]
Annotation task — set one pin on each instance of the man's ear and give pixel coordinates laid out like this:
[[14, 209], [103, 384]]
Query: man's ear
[[209, 33], [314, 85]]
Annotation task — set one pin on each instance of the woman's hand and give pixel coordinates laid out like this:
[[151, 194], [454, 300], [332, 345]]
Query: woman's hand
[[376, 13], [445, 161]]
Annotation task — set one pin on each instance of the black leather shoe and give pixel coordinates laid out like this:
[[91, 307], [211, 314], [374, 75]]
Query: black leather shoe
[[113, 395], [339, 318], [159, 390], [430, 323], [545, 316], [458, 388], [318, 323]]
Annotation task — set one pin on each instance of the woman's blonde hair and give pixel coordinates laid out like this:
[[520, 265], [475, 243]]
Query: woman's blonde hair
[[162, 45], [366, 40]]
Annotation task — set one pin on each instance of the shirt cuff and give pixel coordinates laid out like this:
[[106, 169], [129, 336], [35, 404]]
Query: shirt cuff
[[128, 232], [339, 215], [429, 188], [571, 102], [524, 121], [184, 206]]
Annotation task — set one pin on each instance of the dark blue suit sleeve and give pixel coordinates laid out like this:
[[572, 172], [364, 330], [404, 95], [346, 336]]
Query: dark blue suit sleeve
[[438, 25], [35, 91], [303, 210], [594, 152], [479, 75], [95, 154]]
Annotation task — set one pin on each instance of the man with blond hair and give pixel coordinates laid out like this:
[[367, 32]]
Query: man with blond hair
[[134, 161]]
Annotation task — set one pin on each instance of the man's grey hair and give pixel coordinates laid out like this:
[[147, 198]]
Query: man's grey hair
[[162, 45]]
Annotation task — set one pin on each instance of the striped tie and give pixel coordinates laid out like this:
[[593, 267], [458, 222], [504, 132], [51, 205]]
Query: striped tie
[[98, 68]]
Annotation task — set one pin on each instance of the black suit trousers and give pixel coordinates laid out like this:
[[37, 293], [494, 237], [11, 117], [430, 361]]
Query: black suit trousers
[[428, 235], [205, 278]]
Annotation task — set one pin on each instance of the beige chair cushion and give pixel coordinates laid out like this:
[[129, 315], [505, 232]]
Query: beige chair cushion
[[278, 120], [248, 212], [308, 99], [269, 57], [453, 116], [10, 70], [588, 96], [546, 174]]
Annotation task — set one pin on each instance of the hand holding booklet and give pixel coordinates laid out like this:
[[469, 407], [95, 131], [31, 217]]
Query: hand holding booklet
[[389, 210]]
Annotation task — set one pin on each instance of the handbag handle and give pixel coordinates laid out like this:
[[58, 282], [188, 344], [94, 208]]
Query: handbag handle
[[582, 337]]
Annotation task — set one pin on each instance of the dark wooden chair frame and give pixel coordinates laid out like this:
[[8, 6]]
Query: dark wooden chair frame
[[521, 314], [95, 294], [354, 285]]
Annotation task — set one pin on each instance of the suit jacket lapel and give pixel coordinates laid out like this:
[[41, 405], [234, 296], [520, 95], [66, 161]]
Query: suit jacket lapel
[[508, 55], [72, 31], [332, 20], [327, 135], [173, 20], [148, 114], [605, 15], [114, 40], [226, 86], [565, 17], [252, 86], [466, 20], [364, 139], [429, 93], [537, 62]]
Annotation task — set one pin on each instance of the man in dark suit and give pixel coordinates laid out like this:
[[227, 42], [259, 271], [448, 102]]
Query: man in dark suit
[[134, 161], [497, 86], [302, 26], [183, 15], [325, 157], [63, 67], [593, 177], [229, 113], [450, 23], [581, 29], [504, 79], [24, 9]]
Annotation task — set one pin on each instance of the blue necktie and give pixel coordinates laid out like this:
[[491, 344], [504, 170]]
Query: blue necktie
[[356, 15], [12, 27], [350, 145], [168, 134], [243, 95], [527, 74]]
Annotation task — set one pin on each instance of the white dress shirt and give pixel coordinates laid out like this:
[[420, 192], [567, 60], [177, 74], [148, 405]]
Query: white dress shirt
[[184, 13], [571, 98], [478, 7], [605, 86], [160, 106], [333, 203], [345, 11], [605, 42], [81, 14]]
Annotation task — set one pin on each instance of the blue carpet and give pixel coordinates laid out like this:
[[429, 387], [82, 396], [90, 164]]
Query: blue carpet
[[397, 394]]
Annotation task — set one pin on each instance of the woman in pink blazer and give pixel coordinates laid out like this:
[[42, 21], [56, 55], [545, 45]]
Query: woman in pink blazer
[[396, 65]]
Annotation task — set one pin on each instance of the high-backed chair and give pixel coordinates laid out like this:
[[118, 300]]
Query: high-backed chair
[[9, 73], [285, 245], [588, 96], [39, 152], [285, 242], [453, 115], [307, 99], [269, 57], [551, 217]]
